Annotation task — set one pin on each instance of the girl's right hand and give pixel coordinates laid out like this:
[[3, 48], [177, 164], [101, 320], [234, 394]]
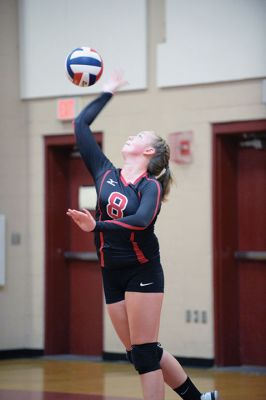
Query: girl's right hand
[[83, 219], [115, 82]]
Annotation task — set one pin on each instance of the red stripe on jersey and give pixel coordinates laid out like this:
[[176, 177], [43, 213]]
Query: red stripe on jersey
[[140, 177], [158, 196], [136, 228], [101, 233], [139, 254], [123, 180], [135, 181]]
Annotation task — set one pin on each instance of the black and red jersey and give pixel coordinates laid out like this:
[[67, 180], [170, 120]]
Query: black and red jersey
[[125, 212]]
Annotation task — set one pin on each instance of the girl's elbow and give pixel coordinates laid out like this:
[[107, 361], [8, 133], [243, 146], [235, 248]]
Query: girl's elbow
[[143, 223]]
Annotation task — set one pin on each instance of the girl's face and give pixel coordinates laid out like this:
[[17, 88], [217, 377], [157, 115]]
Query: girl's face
[[142, 143]]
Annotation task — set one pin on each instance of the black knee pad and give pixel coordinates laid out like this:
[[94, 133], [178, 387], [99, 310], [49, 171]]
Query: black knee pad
[[159, 352], [145, 357]]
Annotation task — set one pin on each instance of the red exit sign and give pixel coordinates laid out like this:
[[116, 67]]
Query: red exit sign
[[66, 109]]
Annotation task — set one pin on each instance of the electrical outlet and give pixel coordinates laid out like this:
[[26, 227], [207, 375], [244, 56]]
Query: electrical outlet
[[188, 316], [204, 318], [196, 316]]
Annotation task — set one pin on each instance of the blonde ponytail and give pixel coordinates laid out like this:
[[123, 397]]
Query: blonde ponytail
[[159, 165]]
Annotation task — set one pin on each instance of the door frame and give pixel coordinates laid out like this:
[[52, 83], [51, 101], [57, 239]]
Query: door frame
[[225, 138], [57, 151]]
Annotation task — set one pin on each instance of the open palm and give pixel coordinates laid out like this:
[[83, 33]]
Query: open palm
[[83, 219]]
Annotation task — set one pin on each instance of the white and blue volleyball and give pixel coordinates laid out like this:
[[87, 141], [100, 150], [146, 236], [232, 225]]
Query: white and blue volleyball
[[84, 66]]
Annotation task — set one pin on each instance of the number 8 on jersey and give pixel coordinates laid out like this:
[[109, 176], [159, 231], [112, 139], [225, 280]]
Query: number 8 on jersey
[[117, 202]]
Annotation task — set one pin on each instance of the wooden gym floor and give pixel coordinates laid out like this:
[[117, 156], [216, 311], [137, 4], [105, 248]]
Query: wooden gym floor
[[81, 379]]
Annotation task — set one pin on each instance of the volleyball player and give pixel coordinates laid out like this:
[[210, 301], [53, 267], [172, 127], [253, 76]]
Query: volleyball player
[[129, 201]]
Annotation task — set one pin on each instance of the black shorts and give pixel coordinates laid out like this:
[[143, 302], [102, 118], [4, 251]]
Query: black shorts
[[144, 278]]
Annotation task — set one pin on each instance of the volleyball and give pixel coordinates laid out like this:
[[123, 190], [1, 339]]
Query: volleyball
[[84, 66]]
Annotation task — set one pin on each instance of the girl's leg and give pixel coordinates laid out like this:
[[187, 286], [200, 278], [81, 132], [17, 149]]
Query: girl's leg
[[118, 315], [143, 311], [150, 381], [173, 373]]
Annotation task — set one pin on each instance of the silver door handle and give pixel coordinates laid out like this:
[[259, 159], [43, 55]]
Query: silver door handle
[[81, 255], [251, 255]]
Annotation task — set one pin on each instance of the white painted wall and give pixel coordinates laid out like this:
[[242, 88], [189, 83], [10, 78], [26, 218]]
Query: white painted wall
[[212, 41], [50, 30]]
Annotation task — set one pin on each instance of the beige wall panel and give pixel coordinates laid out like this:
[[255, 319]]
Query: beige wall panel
[[212, 41], [13, 182], [50, 30]]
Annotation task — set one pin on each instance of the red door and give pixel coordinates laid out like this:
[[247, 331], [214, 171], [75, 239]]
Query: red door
[[251, 255], [85, 294], [239, 205], [73, 288]]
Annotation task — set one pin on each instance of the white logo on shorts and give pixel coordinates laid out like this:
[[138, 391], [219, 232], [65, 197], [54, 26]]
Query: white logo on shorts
[[146, 284]]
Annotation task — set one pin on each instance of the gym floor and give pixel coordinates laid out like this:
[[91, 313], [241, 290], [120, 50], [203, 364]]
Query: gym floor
[[80, 378]]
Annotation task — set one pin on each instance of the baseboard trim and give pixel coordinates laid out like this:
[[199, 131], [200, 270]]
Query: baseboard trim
[[196, 362], [184, 361], [106, 356], [20, 353]]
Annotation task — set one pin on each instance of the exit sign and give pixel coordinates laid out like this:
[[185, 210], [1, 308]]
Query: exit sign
[[66, 109]]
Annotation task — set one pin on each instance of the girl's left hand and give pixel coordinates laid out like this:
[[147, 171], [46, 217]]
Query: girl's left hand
[[83, 219]]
